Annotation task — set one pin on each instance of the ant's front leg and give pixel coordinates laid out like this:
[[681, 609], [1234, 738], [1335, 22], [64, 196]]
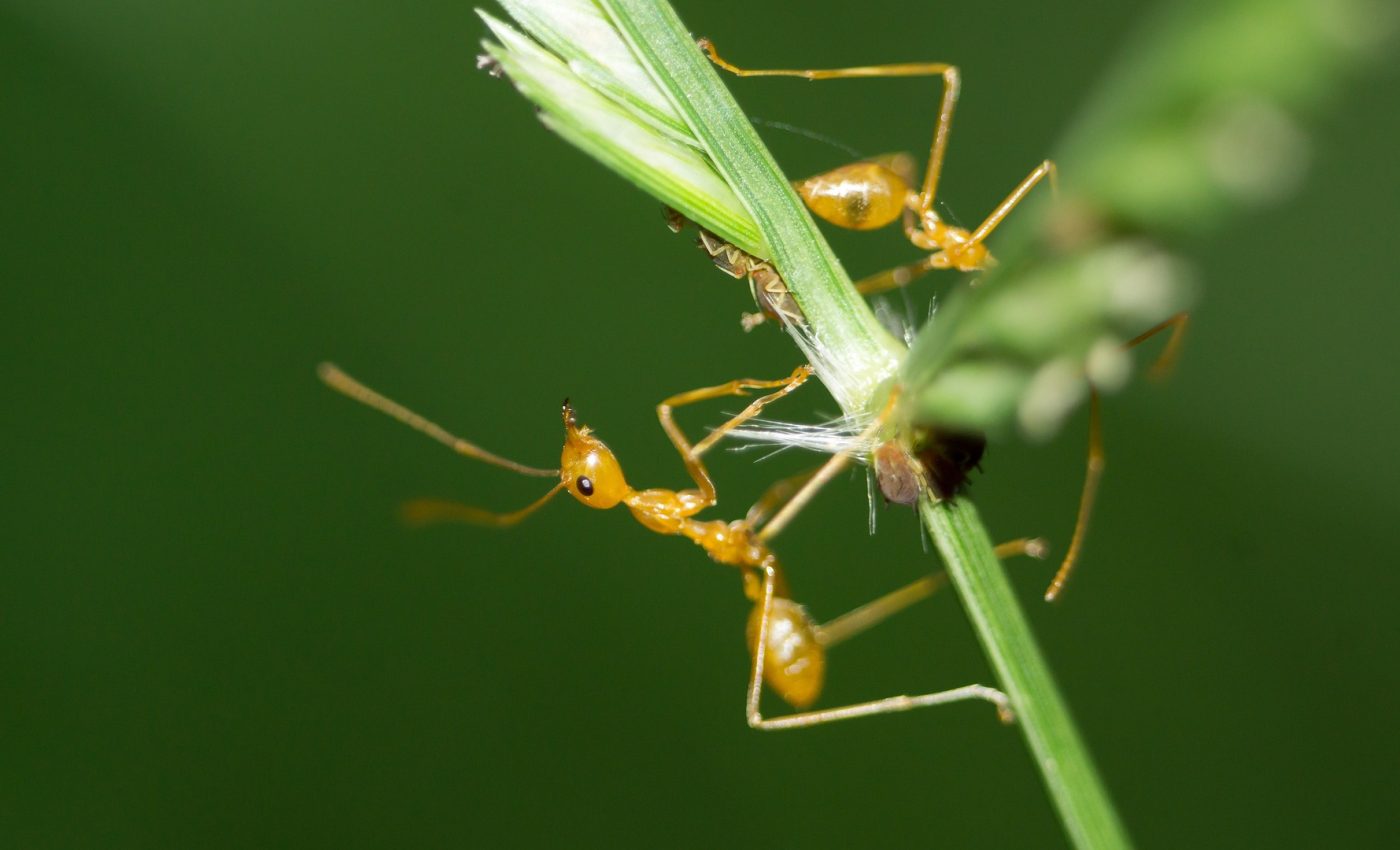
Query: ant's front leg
[[690, 454], [897, 277]]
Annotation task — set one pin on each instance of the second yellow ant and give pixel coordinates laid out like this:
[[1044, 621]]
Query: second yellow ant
[[788, 648], [874, 193]]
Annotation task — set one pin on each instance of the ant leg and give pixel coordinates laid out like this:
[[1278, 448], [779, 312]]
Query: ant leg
[[1045, 169], [1095, 464], [824, 474], [901, 276], [1165, 361], [896, 277], [429, 511], [864, 709], [779, 494], [690, 455], [873, 613], [865, 617], [785, 386], [1092, 475], [1031, 547], [951, 86]]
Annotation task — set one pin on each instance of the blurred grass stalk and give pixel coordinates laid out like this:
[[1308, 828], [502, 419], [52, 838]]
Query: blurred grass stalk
[[1203, 117]]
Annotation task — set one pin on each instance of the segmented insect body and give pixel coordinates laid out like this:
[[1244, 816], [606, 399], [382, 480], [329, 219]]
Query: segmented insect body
[[878, 192], [788, 648], [768, 288], [875, 193], [794, 660]]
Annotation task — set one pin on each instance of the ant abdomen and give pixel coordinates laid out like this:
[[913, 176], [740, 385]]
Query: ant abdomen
[[794, 660], [859, 196]]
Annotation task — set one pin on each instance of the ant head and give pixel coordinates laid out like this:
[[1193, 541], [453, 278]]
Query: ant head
[[588, 467]]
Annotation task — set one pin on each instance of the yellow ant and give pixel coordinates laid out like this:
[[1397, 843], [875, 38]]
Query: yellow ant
[[788, 648], [874, 193]]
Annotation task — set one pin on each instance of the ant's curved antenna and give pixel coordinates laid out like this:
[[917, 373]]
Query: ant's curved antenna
[[343, 383]]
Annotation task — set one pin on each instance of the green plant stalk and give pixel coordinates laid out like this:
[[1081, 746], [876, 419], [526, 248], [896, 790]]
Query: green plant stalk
[[840, 319], [1064, 762]]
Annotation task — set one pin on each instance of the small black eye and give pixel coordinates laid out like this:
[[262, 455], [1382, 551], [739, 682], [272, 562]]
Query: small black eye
[[584, 486]]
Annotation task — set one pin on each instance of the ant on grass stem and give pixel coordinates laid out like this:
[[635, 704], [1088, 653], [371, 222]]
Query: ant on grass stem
[[873, 193], [787, 647]]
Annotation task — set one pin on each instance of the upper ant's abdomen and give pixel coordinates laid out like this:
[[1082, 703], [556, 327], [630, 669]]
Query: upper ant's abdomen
[[859, 196]]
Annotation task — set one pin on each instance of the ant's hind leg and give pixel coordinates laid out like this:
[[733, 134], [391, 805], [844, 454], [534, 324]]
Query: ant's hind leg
[[1093, 472], [1095, 464], [951, 86], [803, 719], [1166, 361], [896, 277], [873, 613], [859, 620]]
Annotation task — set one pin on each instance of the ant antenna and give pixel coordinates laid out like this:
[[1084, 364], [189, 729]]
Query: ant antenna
[[812, 135], [429, 511], [343, 383]]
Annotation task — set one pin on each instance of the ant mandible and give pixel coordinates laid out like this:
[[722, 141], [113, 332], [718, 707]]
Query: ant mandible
[[788, 648], [873, 193]]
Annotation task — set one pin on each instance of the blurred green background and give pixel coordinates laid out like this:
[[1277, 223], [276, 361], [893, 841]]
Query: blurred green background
[[213, 631]]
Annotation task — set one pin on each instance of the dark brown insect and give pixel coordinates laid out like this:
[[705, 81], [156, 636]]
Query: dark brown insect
[[788, 647], [939, 460], [948, 458], [898, 473]]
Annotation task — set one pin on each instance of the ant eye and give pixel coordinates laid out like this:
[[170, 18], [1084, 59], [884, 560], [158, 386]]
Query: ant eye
[[585, 486]]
